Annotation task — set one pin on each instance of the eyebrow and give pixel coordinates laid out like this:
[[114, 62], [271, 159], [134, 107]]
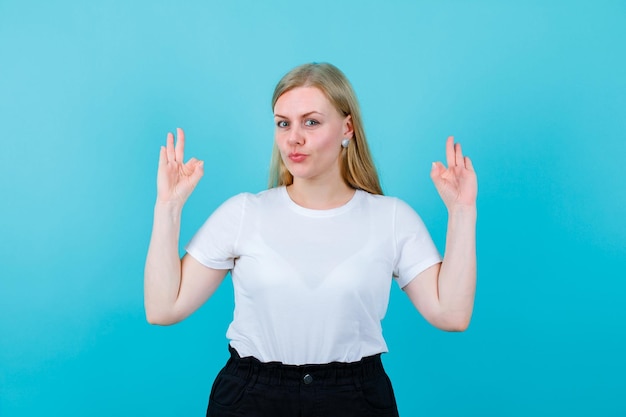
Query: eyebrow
[[304, 115]]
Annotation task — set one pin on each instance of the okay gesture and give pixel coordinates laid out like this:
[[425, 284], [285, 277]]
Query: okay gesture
[[175, 178], [457, 184]]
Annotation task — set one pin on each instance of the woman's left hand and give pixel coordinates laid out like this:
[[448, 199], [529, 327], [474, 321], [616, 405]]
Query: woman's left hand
[[457, 185]]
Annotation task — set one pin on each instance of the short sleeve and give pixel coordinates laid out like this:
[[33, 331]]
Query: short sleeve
[[415, 249], [214, 244]]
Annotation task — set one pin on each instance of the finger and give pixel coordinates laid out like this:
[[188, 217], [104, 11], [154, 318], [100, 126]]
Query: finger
[[437, 170], [458, 155], [192, 163], [180, 145], [171, 155], [194, 168], [468, 164], [450, 151], [162, 156], [437, 175], [198, 171]]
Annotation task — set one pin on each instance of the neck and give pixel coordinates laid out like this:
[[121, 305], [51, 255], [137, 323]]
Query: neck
[[312, 195]]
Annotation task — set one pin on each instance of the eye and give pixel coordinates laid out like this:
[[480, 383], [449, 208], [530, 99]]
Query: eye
[[311, 122], [282, 123]]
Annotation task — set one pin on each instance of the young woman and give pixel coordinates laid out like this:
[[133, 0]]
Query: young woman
[[312, 259]]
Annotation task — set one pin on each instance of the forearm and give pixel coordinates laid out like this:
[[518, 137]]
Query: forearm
[[457, 276], [162, 275]]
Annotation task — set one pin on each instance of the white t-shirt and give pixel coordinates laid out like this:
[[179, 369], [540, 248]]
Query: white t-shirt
[[312, 286]]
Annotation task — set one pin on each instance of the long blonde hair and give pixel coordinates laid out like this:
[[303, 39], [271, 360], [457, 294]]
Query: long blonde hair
[[357, 167]]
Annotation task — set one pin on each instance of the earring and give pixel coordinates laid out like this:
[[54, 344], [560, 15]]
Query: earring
[[345, 143]]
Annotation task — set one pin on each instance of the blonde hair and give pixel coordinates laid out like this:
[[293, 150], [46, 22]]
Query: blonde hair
[[357, 167]]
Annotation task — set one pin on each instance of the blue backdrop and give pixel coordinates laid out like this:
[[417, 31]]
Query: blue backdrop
[[535, 91]]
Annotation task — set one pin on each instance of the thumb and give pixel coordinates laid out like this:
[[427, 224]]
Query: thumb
[[437, 175], [198, 171], [436, 171]]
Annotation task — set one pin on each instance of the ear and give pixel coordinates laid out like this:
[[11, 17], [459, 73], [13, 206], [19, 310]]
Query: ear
[[348, 129]]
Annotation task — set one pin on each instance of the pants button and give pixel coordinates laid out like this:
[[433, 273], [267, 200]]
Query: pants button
[[307, 379]]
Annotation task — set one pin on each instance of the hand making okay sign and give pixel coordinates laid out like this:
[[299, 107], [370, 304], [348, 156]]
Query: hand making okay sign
[[457, 184], [176, 179]]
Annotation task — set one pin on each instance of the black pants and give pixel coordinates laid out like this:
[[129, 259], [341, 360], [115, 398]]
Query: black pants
[[250, 388]]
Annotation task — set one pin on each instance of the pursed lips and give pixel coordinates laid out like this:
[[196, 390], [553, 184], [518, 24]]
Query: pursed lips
[[297, 157]]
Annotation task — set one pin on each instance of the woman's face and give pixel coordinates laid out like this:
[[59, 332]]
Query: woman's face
[[308, 133]]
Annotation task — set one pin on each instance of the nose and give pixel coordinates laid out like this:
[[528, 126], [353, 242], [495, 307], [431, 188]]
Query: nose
[[295, 137]]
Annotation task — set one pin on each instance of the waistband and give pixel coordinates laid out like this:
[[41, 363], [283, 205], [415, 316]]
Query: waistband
[[330, 374]]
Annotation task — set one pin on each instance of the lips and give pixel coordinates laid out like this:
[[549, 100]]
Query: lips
[[297, 157]]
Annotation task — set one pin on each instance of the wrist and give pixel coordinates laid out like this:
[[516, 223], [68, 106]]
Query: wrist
[[168, 207], [463, 211]]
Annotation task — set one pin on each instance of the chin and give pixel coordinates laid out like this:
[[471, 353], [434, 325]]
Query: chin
[[298, 171]]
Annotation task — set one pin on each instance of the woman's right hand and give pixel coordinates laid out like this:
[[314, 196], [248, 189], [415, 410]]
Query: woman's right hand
[[175, 179]]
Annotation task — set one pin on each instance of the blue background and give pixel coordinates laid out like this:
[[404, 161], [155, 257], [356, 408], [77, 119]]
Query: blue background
[[535, 91]]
